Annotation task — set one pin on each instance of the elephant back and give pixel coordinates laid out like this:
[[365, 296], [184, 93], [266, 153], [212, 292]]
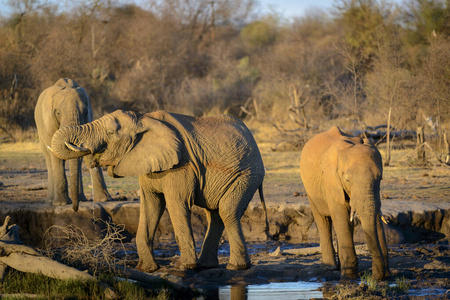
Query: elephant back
[[66, 83]]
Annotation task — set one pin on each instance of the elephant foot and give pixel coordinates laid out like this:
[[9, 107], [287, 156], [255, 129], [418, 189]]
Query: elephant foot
[[239, 267], [146, 267], [190, 266], [183, 266], [60, 202], [328, 267], [208, 266], [102, 197], [82, 198], [349, 273], [208, 263]]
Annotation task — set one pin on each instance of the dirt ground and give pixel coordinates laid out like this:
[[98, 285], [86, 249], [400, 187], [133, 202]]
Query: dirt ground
[[424, 265]]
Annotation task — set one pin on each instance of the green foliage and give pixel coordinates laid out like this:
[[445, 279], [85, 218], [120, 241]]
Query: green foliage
[[258, 34], [368, 280], [369, 288], [361, 20], [16, 282], [423, 17], [401, 284]]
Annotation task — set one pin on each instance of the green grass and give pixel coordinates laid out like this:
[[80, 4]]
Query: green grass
[[16, 284], [25, 283], [372, 288]]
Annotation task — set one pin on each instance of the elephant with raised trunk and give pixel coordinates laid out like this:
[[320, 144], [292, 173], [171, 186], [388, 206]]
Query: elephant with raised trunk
[[212, 162], [65, 104], [342, 175]]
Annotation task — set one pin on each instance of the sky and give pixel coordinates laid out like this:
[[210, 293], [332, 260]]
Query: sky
[[294, 8], [286, 8]]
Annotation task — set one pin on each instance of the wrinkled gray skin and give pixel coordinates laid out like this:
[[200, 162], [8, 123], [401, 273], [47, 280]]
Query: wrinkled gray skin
[[342, 175], [211, 162], [65, 104]]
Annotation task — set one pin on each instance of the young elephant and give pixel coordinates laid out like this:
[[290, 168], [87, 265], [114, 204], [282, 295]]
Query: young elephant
[[212, 162], [65, 104], [342, 175]]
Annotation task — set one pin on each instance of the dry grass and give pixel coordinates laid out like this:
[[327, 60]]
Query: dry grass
[[20, 147]]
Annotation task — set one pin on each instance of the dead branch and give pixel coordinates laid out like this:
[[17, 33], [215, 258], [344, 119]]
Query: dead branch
[[13, 87], [294, 137], [75, 247], [297, 109], [4, 227], [8, 134], [425, 144], [26, 259], [245, 108]]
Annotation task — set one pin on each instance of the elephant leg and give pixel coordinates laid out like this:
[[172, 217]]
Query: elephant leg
[[74, 181], [50, 181], [60, 193], [326, 241], [346, 249], [81, 195], [151, 209], [231, 208], [383, 245], [100, 191], [239, 258], [210, 248], [180, 215]]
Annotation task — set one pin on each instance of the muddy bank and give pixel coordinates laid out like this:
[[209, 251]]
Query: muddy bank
[[289, 222]]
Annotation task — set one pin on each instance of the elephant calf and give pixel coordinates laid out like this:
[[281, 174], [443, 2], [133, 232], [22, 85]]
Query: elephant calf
[[65, 104], [342, 175], [212, 162]]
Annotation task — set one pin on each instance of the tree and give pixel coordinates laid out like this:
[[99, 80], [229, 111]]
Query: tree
[[422, 17], [389, 86]]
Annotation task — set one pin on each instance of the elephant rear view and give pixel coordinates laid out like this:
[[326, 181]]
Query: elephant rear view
[[65, 104], [342, 175], [212, 162]]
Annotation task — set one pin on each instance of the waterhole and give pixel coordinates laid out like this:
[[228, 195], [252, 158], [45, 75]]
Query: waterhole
[[273, 290]]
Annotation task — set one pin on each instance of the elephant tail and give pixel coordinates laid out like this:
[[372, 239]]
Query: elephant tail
[[263, 204]]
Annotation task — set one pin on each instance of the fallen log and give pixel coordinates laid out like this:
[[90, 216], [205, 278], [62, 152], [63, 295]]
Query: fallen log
[[360, 250], [28, 263], [156, 278], [26, 259]]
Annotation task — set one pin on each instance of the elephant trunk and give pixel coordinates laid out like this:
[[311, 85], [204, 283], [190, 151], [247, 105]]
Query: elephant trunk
[[66, 142], [368, 211]]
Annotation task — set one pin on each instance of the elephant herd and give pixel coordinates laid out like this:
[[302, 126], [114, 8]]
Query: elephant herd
[[214, 163]]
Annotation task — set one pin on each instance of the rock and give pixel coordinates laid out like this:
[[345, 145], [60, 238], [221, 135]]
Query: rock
[[276, 253]]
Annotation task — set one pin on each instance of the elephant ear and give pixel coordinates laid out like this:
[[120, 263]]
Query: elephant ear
[[332, 183], [157, 148]]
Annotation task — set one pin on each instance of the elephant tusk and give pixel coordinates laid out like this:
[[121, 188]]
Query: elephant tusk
[[383, 219], [352, 214], [50, 149], [76, 148]]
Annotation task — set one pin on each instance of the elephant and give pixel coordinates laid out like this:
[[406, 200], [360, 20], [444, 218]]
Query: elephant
[[65, 104], [341, 175], [211, 162]]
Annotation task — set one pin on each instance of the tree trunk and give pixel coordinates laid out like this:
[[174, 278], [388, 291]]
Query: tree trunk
[[446, 149], [388, 140], [420, 148]]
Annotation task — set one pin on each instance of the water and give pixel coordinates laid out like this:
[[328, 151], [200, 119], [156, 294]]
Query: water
[[273, 290]]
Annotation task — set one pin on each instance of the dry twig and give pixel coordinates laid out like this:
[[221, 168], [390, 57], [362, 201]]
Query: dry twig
[[71, 244]]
